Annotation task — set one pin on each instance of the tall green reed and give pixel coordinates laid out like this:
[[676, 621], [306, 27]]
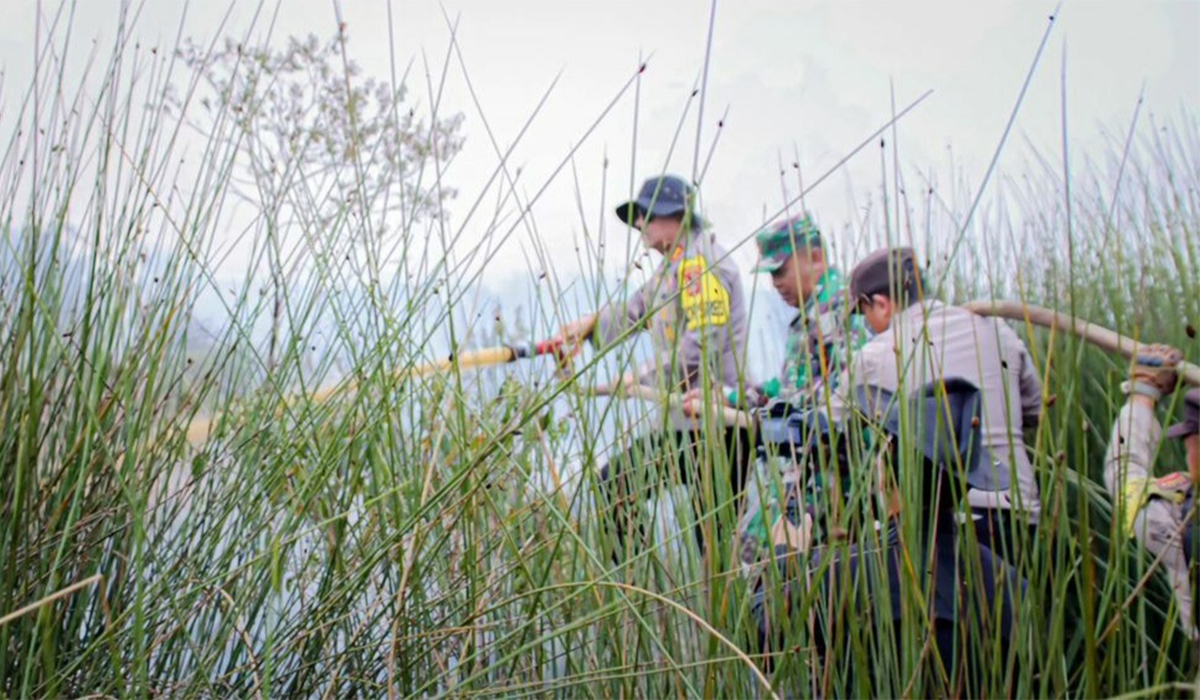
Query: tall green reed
[[440, 535]]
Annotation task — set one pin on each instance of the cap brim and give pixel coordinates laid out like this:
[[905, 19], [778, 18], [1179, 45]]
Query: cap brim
[[1181, 430], [628, 212], [767, 265]]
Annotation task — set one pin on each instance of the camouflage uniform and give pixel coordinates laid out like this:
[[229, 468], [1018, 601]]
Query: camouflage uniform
[[820, 341]]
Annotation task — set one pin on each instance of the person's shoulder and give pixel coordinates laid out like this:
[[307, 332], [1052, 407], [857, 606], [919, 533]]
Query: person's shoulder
[[834, 281], [705, 243], [878, 348], [880, 342], [716, 255], [1003, 328], [961, 312], [939, 313], [932, 306]]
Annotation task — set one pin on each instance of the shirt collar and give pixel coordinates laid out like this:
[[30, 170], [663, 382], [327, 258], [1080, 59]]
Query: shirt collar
[[828, 286], [687, 243]]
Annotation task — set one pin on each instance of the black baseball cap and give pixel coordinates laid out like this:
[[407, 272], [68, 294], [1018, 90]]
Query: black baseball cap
[[665, 195], [882, 272]]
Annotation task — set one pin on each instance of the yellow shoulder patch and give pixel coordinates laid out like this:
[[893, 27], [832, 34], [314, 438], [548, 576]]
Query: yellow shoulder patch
[[704, 299]]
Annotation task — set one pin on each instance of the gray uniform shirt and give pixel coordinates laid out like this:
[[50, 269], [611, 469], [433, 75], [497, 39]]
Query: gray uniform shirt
[[1131, 449], [930, 341], [1158, 522], [695, 309]]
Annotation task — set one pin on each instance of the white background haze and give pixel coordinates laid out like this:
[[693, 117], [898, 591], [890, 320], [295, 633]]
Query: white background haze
[[812, 78]]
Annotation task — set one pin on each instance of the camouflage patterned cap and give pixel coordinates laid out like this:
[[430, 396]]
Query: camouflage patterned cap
[[778, 241]]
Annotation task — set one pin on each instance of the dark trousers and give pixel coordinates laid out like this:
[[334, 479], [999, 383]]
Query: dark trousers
[[668, 458], [867, 579], [1004, 532]]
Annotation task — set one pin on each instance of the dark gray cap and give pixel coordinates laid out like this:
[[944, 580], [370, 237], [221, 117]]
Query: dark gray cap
[[1190, 425], [883, 272], [665, 195]]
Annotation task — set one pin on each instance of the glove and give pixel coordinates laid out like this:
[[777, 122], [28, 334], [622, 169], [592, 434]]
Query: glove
[[796, 537], [1155, 367]]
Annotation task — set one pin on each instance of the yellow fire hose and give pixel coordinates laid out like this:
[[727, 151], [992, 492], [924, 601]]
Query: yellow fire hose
[[199, 429]]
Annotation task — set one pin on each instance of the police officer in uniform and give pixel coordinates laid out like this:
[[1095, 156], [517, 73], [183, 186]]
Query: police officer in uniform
[[919, 340], [694, 308], [1156, 510]]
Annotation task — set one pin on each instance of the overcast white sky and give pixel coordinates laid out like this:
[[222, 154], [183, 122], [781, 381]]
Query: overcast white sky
[[812, 76]]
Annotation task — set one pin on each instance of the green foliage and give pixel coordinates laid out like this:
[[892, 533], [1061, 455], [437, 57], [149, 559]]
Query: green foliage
[[423, 535]]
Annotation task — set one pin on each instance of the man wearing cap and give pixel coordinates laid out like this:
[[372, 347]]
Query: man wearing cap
[[822, 335], [820, 339], [1156, 510], [920, 340], [694, 308]]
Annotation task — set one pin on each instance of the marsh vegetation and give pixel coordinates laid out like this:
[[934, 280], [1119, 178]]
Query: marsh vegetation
[[419, 534]]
